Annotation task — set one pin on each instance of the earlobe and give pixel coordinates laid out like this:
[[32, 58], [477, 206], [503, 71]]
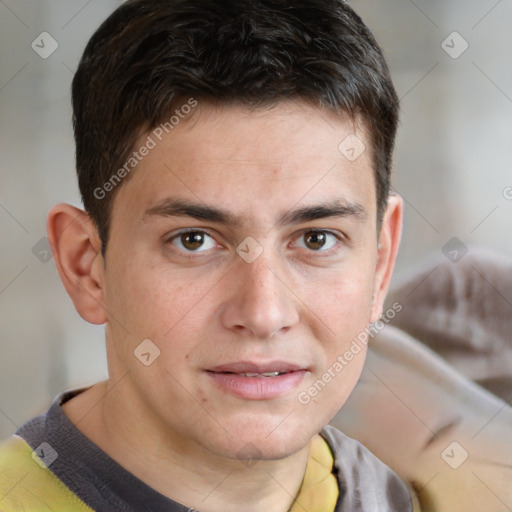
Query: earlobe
[[77, 253], [388, 244]]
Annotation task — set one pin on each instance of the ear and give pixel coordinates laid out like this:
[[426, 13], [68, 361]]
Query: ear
[[76, 250], [389, 241]]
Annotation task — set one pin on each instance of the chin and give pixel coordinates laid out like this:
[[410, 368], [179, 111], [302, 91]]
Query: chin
[[269, 440]]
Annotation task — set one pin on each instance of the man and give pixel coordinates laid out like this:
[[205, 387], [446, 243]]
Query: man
[[238, 235]]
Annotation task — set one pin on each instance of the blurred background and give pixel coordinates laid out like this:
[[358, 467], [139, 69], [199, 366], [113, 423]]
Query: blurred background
[[450, 60]]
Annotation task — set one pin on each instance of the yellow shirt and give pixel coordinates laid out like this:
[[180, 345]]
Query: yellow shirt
[[319, 491], [27, 485]]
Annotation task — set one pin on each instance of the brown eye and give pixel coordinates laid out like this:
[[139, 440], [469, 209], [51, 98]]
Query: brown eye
[[193, 241], [315, 240]]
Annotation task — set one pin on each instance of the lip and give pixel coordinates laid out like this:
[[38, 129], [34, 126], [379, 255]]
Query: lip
[[252, 367], [229, 379]]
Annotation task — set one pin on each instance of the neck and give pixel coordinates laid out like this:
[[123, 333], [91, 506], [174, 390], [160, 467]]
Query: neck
[[182, 470]]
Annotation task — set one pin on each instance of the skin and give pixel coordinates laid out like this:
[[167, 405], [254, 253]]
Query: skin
[[169, 423]]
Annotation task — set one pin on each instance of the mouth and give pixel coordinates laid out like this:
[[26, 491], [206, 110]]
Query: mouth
[[264, 374], [253, 381]]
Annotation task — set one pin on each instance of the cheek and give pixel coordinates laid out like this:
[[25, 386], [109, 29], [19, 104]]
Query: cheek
[[342, 315], [175, 312], [152, 301], [343, 299]]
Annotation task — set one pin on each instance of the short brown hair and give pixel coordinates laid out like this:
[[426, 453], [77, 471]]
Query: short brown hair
[[151, 54]]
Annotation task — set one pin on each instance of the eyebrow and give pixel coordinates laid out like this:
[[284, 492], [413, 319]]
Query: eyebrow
[[180, 208], [323, 211]]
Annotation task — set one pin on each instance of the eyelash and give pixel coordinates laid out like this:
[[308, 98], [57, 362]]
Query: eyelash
[[322, 253], [176, 236], [311, 253]]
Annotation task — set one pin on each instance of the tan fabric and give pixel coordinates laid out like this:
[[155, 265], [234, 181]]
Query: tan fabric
[[463, 311]]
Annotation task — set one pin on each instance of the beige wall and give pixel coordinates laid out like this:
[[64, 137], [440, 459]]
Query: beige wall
[[453, 163]]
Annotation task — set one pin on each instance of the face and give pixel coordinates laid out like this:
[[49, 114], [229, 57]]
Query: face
[[245, 247]]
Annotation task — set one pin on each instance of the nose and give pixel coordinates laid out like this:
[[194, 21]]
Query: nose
[[260, 303]]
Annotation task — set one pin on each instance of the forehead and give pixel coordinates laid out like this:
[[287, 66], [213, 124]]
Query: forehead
[[256, 158]]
